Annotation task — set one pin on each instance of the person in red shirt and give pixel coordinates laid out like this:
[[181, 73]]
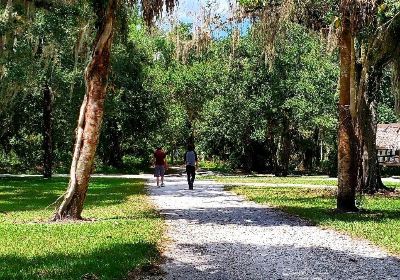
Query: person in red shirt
[[160, 164]]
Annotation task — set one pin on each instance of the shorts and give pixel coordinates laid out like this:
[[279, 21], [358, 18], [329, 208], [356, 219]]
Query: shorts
[[159, 170]]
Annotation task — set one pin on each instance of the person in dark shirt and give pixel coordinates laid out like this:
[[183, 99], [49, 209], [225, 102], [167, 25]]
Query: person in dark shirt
[[160, 164], [190, 160]]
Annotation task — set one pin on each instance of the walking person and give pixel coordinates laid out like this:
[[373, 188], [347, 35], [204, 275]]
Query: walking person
[[190, 159], [160, 164]]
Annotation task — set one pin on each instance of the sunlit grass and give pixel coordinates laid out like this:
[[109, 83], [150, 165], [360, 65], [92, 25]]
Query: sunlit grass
[[303, 180], [379, 221], [314, 180], [125, 232]]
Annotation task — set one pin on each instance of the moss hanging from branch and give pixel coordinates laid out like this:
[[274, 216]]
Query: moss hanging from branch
[[152, 9], [200, 38]]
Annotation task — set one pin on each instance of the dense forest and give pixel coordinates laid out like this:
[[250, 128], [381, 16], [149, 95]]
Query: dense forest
[[170, 87]]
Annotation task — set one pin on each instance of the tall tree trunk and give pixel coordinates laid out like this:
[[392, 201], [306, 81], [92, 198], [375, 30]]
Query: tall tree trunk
[[271, 148], [173, 154], [369, 175], [284, 153], [91, 114], [347, 167], [47, 131], [273, 151]]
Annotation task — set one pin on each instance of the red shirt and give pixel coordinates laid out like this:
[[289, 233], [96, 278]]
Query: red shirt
[[160, 157]]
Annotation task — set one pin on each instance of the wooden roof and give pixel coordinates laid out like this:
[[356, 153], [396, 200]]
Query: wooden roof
[[388, 136]]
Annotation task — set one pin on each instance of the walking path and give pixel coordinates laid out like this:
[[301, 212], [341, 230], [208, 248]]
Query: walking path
[[217, 235]]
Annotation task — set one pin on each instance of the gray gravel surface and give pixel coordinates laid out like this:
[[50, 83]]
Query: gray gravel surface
[[217, 235]]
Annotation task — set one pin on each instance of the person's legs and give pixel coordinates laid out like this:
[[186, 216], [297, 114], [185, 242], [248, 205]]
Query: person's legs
[[162, 172], [188, 174], [157, 174], [193, 174]]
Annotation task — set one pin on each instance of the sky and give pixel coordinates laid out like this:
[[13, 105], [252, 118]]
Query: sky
[[189, 11]]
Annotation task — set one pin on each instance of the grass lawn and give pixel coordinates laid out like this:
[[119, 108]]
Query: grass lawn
[[126, 233], [315, 180], [379, 221], [304, 180]]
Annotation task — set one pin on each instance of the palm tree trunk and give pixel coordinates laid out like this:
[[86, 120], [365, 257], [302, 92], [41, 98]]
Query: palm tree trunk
[[91, 115], [347, 167]]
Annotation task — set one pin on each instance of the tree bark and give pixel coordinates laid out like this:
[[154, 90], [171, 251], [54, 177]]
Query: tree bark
[[383, 47], [347, 168], [47, 131], [91, 114], [284, 153], [271, 148], [369, 84]]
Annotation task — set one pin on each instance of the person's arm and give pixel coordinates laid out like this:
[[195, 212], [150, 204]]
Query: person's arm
[[195, 158], [184, 158]]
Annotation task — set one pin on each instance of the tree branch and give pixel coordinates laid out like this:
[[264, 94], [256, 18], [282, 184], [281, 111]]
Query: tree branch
[[385, 45]]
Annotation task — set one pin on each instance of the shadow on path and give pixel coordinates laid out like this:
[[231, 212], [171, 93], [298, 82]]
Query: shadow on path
[[245, 261]]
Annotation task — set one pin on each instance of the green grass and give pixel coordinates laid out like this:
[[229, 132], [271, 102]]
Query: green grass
[[126, 232], [215, 166], [379, 221], [304, 180], [315, 180]]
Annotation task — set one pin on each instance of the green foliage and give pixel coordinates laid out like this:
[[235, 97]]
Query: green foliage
[[52, 47], [386, 100], [224, 98], [378, 222], [243, 123], [125, 228], [40, 52], [388, 9], [217, 166]]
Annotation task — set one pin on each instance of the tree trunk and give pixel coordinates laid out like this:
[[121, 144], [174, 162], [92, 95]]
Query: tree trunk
[[347, 177], [47, 131], [284, 153], [112, 151], [271, 148], [383, 47], [173, 154], [91, 114], [369, 175], [317, 154]]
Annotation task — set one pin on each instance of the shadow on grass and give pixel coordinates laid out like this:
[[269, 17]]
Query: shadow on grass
[[107, 263], [322, 215], [29, 194], [319, 205]]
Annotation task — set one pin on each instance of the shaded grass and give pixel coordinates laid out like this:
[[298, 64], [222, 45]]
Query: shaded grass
[[126, 234], [304, 180], [315, 180], [379, 221], [215, 166]]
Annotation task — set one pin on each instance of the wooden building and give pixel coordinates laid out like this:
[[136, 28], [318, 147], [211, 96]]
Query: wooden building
[[388, 144]]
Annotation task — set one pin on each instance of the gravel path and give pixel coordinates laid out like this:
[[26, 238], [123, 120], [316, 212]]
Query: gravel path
[[217, 235]]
